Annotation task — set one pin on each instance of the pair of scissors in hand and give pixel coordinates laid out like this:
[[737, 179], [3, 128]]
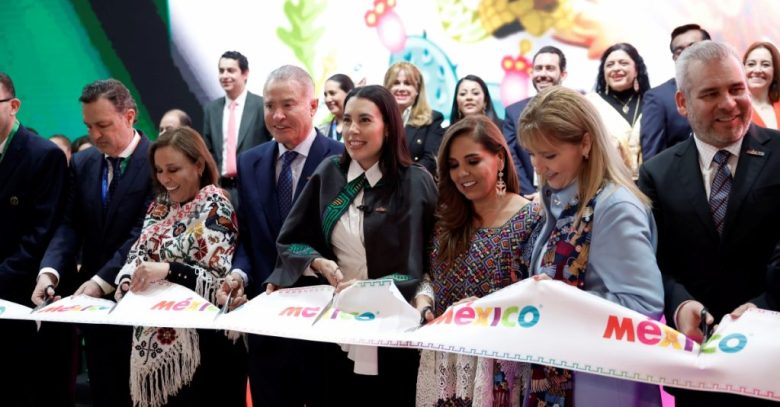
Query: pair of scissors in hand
[[47, 298]]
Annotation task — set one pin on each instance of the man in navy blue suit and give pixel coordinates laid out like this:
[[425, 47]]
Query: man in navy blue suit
[[33, 187], [110, 191], [662, 126], [282, 372], [549, 69]]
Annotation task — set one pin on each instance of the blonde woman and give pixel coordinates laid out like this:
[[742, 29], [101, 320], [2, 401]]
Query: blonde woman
[[422, 124], [598, 235]]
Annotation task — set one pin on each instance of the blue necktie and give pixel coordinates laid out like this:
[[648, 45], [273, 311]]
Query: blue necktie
[[284, 186], [719, 192]]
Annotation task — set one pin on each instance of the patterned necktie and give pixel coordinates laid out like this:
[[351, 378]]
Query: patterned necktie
[[719, 192], [284, 185], [115, 166], [231, 141]]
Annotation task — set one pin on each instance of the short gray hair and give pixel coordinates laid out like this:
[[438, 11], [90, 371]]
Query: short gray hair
[[702, 51], [291, 73]]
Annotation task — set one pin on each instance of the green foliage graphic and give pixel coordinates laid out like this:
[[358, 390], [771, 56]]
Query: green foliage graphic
[[303, 35]]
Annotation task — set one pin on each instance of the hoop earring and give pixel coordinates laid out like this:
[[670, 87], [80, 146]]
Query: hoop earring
[[500, 184]]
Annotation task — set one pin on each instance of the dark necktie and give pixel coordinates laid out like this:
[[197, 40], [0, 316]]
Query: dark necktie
[[719, 192], [284, 185], [115, 167]]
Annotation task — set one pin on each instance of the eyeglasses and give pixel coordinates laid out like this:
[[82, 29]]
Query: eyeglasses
[[6, 100]]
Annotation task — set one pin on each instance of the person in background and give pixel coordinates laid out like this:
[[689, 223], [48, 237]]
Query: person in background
[[549, 69], [63, 142], [235, 122], [336, 89], [598, 236], [472, 97], [80, 144], [190, 208], [173, 119], [390, 210], [480, 211], [661, 125], [421, 123], [620, 85], [763, 72]]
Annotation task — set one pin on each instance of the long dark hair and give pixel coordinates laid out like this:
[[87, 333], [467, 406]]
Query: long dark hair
[[395, 153], [455, 212], [641, 68], [344, 81], [489, 111]]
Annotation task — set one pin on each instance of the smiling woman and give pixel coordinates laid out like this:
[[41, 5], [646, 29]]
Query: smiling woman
[[762, 67], [188, 237]]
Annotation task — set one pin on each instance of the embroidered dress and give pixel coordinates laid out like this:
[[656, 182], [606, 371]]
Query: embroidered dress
[[201, 235], [493, 261]]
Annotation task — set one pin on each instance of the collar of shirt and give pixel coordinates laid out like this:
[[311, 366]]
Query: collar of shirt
[[239, 100], [708, 151], [303, 148], [128, 151], [373, 174], [556, 200]]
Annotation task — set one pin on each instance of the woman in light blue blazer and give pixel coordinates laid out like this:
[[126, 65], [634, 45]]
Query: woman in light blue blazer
[[598, 235]]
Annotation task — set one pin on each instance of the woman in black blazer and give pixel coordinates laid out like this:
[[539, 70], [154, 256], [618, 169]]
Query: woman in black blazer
[[422, 124], [353, 211]]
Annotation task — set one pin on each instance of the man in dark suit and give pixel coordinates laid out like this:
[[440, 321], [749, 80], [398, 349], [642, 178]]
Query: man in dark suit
[[233, 123], [33, 187], [277, 366], [662, 126], [549, 69], [110, 191], [715, 198]]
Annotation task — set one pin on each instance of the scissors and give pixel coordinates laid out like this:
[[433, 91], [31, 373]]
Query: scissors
[[47, 299], [123, 290], [705, 329], [327, 307]]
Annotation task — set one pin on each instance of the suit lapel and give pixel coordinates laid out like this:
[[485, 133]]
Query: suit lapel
[[752, 158], [247, 118], [693, 186], [11, 159], [265, 173], [317, 152], [218, 137], [130, 177]]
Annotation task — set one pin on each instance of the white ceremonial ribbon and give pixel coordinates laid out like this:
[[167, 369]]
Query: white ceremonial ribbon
[[545, 322]]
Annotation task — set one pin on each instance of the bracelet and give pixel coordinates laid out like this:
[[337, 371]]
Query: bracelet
[[423, 311]]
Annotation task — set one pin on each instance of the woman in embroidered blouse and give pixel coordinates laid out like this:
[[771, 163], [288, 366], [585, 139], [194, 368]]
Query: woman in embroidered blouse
[[189, 236], [762, 67], [336, 89], [422, 124], [483, 225], [390, 210], [598, 235], [620, 84]]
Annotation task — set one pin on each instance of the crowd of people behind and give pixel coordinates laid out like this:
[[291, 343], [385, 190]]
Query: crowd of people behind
[[661, 200]]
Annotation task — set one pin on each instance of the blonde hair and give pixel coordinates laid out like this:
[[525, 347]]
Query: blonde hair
[[422, 114], [562, 115]]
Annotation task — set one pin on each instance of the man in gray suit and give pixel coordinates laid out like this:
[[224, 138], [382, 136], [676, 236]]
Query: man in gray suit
[[233, 123]]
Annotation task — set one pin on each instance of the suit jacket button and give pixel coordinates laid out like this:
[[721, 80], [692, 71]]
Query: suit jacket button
[[419, 141]]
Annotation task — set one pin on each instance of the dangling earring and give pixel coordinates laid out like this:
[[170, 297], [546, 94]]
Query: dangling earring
[[636, 85], [606, 90], [500, 184]]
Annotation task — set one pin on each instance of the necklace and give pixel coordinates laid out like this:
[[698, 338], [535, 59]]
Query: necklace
[[624, 105]]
